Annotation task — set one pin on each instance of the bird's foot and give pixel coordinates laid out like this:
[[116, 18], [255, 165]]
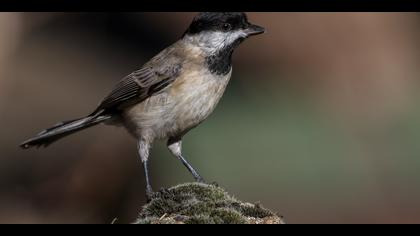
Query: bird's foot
[[149, 193], [199, 179]]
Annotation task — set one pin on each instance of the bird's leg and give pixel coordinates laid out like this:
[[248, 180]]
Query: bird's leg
[[194, 173], [143, 150], [175, 147], [149, 190]]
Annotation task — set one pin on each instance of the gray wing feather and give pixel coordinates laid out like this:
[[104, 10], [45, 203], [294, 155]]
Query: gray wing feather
[[154, 77]]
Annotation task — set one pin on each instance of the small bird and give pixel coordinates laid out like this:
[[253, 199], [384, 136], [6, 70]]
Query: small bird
[[172, 93]]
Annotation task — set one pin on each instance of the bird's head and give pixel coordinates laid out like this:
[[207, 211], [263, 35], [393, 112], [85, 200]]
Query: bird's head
[[217, 31]]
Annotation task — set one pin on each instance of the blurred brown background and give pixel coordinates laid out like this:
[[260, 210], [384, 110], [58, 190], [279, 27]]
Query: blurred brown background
[[321, 121]]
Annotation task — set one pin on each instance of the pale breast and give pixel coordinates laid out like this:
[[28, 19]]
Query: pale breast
[[184, 105], [196, 97]]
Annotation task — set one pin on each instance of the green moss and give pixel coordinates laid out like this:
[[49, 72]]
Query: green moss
[[254, 211], [227, 216], [196, 203], [200, 219]]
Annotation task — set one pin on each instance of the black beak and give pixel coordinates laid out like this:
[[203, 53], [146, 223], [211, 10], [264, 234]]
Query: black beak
[[254, 30]]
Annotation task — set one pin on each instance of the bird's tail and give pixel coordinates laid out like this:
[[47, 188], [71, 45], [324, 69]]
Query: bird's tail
[[62, 130]]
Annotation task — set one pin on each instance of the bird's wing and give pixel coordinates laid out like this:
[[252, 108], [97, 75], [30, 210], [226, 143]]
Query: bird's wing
[[154, 77]]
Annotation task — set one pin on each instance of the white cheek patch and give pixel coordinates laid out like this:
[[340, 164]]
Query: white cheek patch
[[234, 35], [213, 41]]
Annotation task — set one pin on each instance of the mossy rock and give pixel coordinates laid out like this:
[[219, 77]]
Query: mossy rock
[[197, 203]]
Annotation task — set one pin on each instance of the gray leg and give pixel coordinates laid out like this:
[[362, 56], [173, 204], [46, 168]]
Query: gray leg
[[143, 150], [149, 190], [175, 147]]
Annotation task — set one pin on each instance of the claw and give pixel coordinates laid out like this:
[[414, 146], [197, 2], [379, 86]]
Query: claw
[[149, 194]]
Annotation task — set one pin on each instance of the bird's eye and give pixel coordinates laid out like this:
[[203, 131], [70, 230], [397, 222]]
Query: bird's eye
[[226, 27]]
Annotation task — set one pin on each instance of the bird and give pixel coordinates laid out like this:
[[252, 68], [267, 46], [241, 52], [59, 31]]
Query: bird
[[172, 93]]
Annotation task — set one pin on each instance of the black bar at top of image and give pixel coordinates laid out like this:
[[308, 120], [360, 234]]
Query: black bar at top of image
[[210, 5]]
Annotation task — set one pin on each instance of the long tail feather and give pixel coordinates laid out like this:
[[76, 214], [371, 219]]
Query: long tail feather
[[62, 130]]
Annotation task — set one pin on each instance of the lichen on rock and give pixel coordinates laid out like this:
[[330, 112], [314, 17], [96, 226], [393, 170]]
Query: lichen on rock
[[197, 203]]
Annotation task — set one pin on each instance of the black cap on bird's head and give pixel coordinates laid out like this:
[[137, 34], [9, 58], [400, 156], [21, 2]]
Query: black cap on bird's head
[[218, 34], [223, 22]]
